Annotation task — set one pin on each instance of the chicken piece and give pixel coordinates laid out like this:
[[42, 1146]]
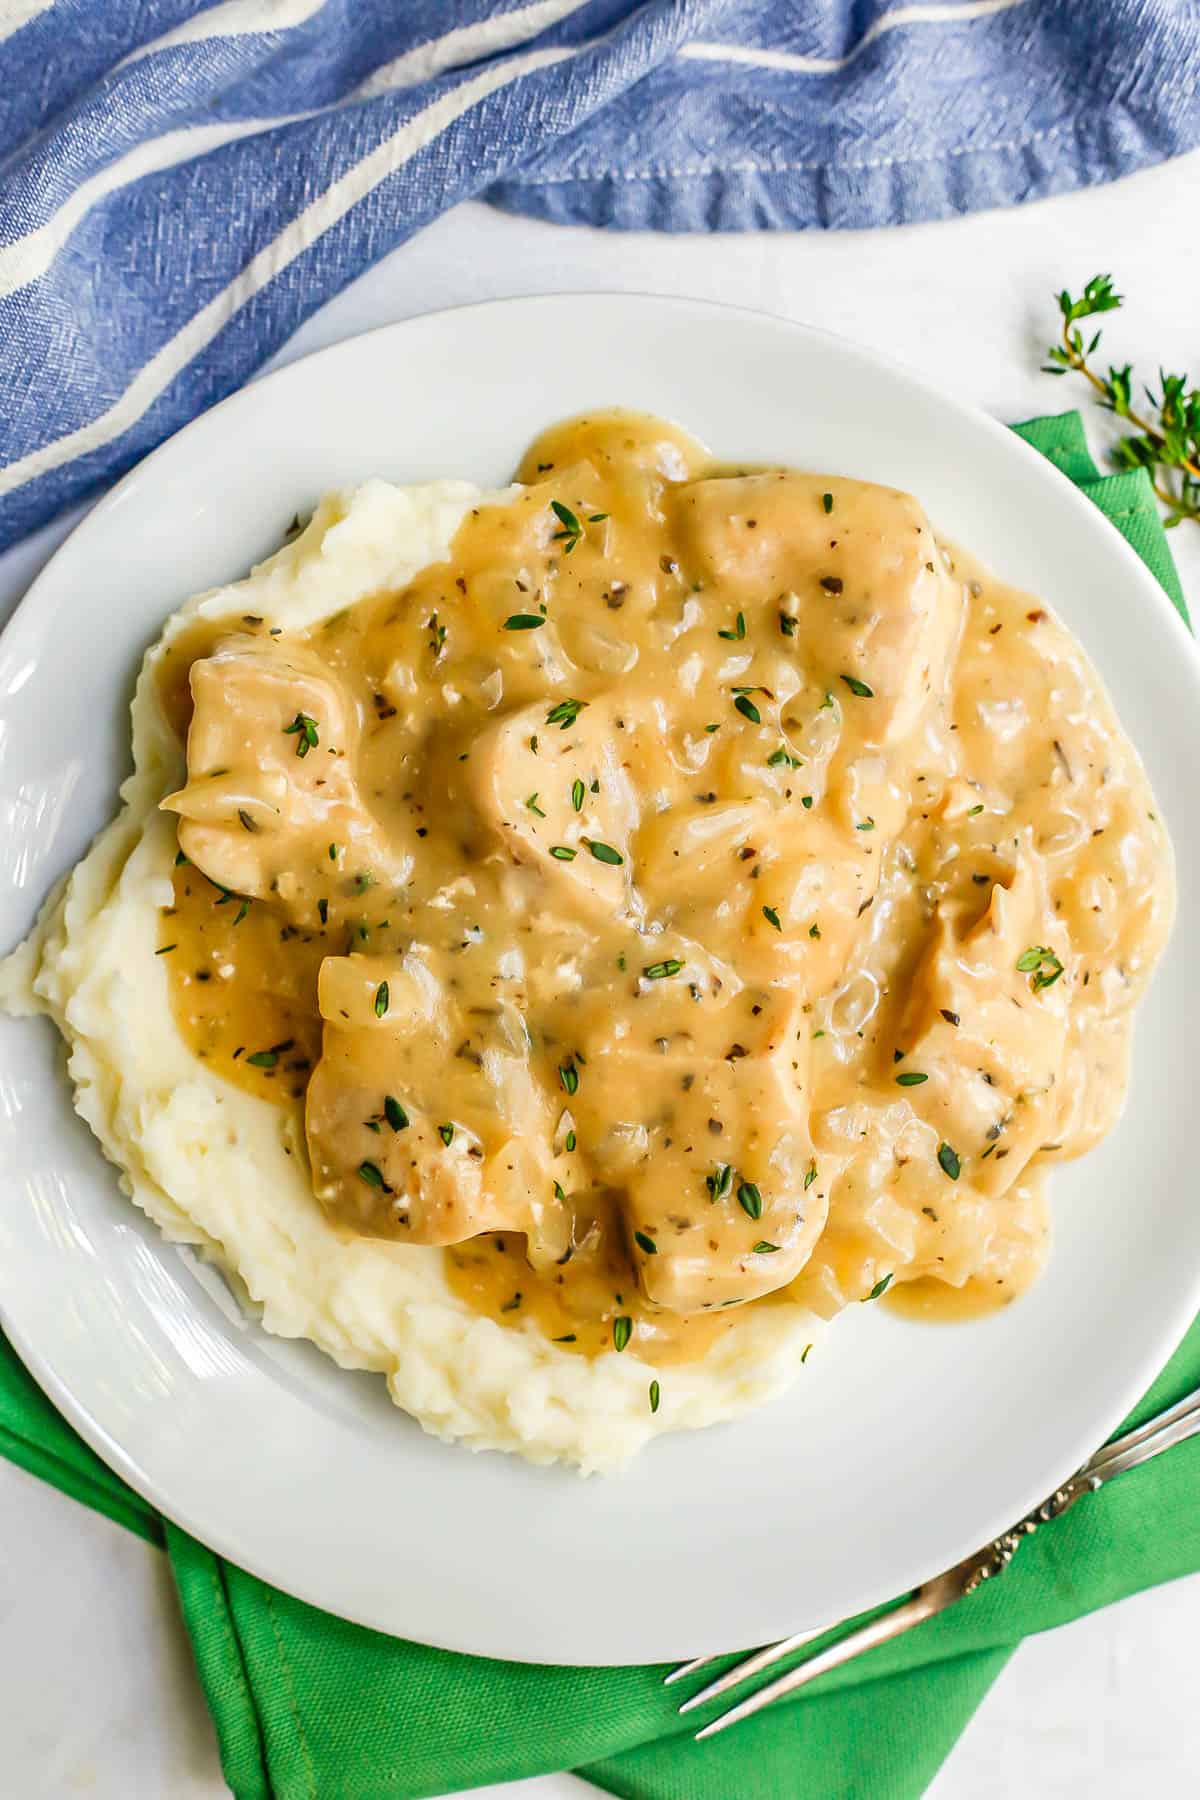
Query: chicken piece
[[987, 1025], [423, 1125], [866, 585], [789, 887], [711, 1157], [896, 1216], [567, 807], [271, 778]]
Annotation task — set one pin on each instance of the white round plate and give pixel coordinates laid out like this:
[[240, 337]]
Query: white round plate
[[905, 1446]]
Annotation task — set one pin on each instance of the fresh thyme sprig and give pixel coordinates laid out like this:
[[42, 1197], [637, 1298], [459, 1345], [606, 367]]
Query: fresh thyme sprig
[[1167, 443]]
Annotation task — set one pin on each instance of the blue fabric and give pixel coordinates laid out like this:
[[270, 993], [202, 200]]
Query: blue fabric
[[181, 185]]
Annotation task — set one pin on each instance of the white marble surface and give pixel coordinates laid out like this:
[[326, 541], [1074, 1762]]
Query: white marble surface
[[97, 1695]]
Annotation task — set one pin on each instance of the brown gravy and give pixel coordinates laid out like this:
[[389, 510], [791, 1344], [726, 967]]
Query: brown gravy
[[753, 890]]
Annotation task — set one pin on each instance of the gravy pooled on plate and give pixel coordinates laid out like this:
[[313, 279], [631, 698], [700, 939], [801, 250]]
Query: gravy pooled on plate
[[703, 889]]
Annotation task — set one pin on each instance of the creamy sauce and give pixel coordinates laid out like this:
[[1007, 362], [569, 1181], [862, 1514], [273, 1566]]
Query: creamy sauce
[[705, 888]]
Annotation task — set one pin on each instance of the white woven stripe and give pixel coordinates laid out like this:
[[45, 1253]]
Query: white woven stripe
[[949, 14], [467, 43], [233, 18]]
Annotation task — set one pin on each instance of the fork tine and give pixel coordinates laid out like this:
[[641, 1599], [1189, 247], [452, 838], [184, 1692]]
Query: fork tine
[[912, 1612], [753, 1665], [688, 1668]]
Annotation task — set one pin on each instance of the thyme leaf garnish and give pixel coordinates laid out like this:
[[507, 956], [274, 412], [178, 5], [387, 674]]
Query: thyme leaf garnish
[[1165, 441], [304, 730]]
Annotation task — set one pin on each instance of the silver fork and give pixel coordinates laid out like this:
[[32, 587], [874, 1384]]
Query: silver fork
[[1137, 1446]]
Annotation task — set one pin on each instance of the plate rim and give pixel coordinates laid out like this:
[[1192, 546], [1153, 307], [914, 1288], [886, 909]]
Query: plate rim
[[1133, 572]]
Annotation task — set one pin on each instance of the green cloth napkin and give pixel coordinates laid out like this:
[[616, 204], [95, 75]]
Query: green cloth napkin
[[308, 1707]]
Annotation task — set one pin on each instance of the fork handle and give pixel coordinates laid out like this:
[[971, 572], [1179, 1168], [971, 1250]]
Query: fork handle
[[995, 1557]]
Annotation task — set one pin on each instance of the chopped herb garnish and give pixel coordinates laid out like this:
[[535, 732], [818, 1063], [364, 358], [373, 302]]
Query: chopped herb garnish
[[787, 624], [866, 825], [180, 859], [563, 715], [762, 1248], [304, 730], [323, 911], [446, 1133], [1041, 965], [881, 1287], [806, 801], [571, 531], [973, 812], [814, 930], [568, 1074], [533, 806], [512, 1305], [772, 917], [248, 824], [577, 793], [657, 971], [165, 948], [563, 852], [381, 999], [739, 629], [655, 1396], [859, 687], [372, 1174], [570, 1141], [720, 1182], [804, 1357], [622, 1331], [644, 1242], [568, 1337], [362, 882], [523, 622], [827, 502], [595, 518], [948, 1159], [783, 755], [394, 1113], [810, 1175], [241, 912], [263, 1059], [604, 852], [750, 1200], [910, 1078], [748, 709]]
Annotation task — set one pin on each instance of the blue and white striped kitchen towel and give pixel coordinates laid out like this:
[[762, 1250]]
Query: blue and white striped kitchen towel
[[182, 183]]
